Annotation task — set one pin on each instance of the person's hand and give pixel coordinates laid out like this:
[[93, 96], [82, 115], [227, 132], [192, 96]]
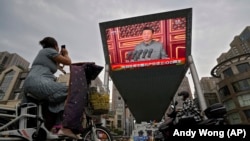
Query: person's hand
[[59, 67], [63, 58], [64, 51]]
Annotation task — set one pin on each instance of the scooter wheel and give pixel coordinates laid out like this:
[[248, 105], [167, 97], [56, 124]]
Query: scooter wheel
[[41, 135]]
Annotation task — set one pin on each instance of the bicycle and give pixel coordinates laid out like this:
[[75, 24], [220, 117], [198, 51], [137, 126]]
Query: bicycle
[[16, 126]]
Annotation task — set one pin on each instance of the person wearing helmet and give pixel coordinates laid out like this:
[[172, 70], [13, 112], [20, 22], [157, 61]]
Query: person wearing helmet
[[189, 107]]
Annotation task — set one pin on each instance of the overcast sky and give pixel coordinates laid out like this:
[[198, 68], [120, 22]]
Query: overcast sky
[[23, 23]]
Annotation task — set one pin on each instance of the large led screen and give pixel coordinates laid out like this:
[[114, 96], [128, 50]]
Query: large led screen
[[147, 59], [146, 41]]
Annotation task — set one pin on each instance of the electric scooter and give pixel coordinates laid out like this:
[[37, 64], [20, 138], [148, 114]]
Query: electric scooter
[[215, 116]]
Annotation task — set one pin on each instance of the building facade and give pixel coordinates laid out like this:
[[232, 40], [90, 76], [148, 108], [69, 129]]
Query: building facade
[[11, 82], [123, 118], [9, 59], [233, 73], [209, 89]]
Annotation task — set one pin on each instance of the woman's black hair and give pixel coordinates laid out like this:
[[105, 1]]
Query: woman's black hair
[[185, 94], [48, 42]]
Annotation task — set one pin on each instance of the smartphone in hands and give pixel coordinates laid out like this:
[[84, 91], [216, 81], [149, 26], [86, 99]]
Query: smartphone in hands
[[63, 46]]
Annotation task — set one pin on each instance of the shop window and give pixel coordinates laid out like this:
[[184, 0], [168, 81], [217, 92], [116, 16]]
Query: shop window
[[230, 105], [243, 67], [247, 113], [228, 72], [244, 100], [241, 85], [224, 92], [234, 118], [6, 83], [119, 117], [212, 101], [119, 124]]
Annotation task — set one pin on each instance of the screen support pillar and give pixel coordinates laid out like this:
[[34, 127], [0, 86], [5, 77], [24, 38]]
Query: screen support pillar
[[106, 78], [197, 85]]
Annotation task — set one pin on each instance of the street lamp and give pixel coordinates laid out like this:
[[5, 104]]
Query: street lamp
[[125, 115]]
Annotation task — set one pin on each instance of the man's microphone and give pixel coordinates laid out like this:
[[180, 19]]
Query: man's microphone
[[150, 52], [139, 54], [128, 57], [144, 53], [134, 54]]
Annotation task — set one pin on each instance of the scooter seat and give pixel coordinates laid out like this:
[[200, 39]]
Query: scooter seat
[[33, 98], [187, 120]]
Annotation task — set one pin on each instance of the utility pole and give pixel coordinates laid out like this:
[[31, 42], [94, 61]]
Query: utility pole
[[106, 78], [197, 85]]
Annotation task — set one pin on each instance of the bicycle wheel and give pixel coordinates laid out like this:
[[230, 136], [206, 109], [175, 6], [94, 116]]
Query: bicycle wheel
[[102, 133], [10, 127]]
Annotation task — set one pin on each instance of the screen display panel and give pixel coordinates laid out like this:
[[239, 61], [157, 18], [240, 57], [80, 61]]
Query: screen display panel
[[147, 41]]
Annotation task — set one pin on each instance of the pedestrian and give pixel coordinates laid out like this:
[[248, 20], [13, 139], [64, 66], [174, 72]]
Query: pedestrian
[[41, 81], [189, 108]]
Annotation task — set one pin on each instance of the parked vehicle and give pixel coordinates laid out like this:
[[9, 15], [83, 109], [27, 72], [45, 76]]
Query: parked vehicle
[[22, 124], [25, 122], [215, 116]]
